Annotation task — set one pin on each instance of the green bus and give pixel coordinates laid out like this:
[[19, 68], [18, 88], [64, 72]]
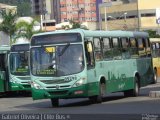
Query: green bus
[[4, 77], [19, 73], [83, 63], [14, 68]]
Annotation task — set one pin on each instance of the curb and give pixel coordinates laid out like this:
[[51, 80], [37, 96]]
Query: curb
[[154, 94]]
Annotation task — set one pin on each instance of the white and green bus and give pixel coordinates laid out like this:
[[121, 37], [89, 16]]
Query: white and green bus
[[19, 73], [82, 63], [14, 68]]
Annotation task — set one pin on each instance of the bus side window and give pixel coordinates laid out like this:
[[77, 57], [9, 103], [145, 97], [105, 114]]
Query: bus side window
[[148, 50], [97, 49], [89, 54], [125, 48], [133, 48], [116, 49], [107, 50], [153, 47], [141, 47]]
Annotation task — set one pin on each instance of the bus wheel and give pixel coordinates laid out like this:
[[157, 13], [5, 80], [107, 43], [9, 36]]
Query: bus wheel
[[55, 102], [98, 98], [134, 92], [155, 77]]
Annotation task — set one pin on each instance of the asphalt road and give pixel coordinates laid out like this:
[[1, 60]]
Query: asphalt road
[[114, 106]]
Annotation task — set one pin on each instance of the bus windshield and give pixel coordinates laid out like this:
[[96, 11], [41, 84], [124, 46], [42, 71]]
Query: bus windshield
[[58, 60], [19, 63]]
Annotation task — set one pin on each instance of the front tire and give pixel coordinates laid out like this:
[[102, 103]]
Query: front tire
[[54, 102], [98, 98], [155, 77]]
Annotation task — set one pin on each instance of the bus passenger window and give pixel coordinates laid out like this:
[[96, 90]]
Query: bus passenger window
[[125, 48], [97, 47], [89, 54], [148, 50], [155, 49], [116, 49], [133, 48], [141, 47], [107, 50]]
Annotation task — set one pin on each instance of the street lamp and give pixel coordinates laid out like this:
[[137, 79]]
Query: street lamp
[[105, 5]]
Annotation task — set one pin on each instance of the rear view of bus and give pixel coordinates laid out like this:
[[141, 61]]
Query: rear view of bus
[[19, 73]]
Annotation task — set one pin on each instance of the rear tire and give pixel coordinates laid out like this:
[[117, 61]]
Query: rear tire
[[54, 102]]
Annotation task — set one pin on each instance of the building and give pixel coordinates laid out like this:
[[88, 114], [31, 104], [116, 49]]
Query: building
[[78, 10], [4, 38], [4, 7], [38, 7], [129, 15]]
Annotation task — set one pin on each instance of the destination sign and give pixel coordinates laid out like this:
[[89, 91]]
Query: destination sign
[[20, 47], [56, 38]]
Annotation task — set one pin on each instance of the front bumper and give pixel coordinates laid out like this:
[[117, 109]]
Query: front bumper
[[75, 92], [20, 87]]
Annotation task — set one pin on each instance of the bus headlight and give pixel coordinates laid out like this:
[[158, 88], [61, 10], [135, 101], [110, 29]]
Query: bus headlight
[[35, 85], [79, 82], [15, 81]]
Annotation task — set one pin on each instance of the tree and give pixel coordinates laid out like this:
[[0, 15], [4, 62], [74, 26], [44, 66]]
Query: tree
[[75, 24], [25, 29], [8, 24], [153, 34]]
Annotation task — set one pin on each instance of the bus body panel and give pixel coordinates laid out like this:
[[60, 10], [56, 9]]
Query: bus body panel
[[156, 65], [20, 83]]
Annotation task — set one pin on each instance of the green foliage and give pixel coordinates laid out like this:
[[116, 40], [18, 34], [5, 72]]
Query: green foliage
[[153, 34], [23, 6], [8, 24], [77, 25], [25, 29]]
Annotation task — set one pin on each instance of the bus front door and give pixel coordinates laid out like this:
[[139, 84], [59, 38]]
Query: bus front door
[[2, 81], [3, 73]]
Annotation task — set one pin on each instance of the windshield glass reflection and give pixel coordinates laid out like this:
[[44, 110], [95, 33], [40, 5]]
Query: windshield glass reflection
[[57, 60], [19, 63]]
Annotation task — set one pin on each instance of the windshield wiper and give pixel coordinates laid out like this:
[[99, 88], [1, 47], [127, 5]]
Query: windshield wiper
[[64, 49]]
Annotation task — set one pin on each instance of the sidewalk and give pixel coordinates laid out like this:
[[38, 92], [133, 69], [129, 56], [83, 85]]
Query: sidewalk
[[155, 94]]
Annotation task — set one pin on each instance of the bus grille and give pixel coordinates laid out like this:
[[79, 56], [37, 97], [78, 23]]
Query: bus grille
[[63, 86], [58, 92], [24, 78], [60, 81], [26, 86]]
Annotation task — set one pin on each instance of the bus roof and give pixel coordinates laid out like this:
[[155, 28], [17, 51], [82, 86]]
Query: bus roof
[[154, 39], [140, 34], [98, 33], [88, 33]]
